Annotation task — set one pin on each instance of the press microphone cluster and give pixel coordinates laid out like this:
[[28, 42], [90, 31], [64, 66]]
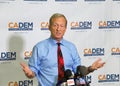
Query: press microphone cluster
[[77, 79]]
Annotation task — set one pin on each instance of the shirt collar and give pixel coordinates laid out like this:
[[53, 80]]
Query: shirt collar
[[55, 42]]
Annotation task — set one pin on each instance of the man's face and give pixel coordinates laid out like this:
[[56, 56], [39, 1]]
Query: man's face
[[58, 28]]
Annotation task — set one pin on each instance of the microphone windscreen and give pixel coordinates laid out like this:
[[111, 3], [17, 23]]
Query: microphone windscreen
[[82, 71], [68, 73]]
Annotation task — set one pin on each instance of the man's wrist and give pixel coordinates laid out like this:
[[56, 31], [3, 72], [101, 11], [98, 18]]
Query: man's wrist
[[90, 69]]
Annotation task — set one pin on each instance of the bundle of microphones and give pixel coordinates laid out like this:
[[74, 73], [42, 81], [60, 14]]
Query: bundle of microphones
[[77, 79]]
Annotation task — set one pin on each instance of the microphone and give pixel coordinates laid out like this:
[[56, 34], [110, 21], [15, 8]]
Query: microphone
[[82, 71], [80, 78], [70, 78]]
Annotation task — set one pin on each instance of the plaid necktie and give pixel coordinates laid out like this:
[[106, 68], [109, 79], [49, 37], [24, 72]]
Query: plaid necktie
[[60, 63]]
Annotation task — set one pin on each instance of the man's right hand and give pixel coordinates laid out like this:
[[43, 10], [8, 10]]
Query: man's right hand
[[27, 70]]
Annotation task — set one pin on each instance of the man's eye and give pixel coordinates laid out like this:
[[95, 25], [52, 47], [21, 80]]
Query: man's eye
[[55, 25], [62, 26]]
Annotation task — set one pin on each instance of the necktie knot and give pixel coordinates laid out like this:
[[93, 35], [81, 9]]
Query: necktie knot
[[58, 44]]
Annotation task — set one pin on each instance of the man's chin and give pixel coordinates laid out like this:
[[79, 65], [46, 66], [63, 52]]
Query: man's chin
[[58, 38]]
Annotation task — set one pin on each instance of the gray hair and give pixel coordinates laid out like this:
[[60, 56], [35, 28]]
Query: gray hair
[[56, 15]]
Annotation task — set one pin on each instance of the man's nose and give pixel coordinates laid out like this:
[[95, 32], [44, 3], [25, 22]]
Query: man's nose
[[58, 27]]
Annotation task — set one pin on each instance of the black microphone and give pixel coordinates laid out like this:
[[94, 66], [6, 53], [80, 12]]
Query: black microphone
[[70, 77], [68, 74], [67, 80]]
